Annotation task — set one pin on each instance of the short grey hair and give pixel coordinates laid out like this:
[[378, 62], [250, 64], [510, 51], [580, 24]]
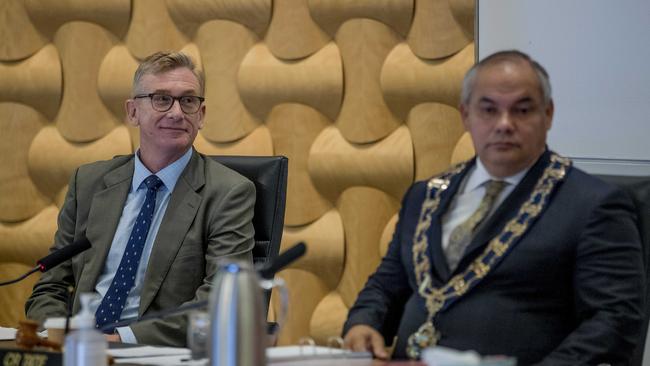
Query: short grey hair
[[160, 62], [509, 55]]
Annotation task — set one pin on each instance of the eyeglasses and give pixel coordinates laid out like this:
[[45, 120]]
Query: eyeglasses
[[190, 104]]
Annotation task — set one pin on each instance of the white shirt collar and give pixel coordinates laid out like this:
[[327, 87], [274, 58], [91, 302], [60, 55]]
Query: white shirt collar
[[479, 175]]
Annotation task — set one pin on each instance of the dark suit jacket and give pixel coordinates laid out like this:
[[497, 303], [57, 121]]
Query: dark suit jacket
[[209, 216], [570, 293]]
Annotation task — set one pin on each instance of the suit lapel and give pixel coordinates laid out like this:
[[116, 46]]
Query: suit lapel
[[103, 217], [506, 211], [181, 210]]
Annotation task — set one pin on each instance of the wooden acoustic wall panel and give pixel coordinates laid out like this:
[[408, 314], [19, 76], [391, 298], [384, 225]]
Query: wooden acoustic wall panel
[[364, 116], [258, 142], [463, 150], [335, 164], [189, 15], [463, 12], [435, 129], [224, 45], [435, 32], [387, 234], [115, 79], [294, 127], [52, 159], [152, 29], [20, 197], [328, 318], [49, 15], [293, 34], [83, 116], [19, 38], [408, 80], [363, 224], [324, 239], [317, 81], [23, 242], [11, 296], [36, 81], [331, 14]]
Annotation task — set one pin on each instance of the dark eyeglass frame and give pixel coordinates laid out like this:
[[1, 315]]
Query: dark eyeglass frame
[[174, 99]]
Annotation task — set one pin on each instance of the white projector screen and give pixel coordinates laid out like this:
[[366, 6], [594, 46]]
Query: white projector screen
[[597, 53]]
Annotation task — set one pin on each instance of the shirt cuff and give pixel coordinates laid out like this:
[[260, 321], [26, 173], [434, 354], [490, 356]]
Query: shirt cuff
[[126, 335]]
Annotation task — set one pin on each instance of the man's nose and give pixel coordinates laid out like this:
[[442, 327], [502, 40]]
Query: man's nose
[[175, 109], [505, 122]]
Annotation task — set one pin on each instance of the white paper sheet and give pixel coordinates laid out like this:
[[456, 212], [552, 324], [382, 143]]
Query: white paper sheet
[[7, 334]]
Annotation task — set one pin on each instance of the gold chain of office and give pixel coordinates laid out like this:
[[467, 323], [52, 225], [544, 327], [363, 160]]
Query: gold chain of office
[[437, 298]]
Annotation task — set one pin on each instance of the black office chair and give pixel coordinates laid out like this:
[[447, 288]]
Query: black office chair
[[639, 189], [269, 173]]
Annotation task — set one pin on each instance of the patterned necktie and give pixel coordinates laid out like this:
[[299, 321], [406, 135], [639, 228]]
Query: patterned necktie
[[462, 234], [110, 309]]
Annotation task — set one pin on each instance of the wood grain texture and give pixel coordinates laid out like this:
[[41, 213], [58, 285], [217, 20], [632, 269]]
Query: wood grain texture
[[20, 197], [224, 45], [20, 39], [364, 45], [335, 164], [463, 11], [435, 129], [152, 29], [294, 127], [52, 158], [258, 142], [189, 15], [83, 116], [327, 319], [365, 212], [49, 15], [27, 241], [387, 234], [293, 34], [36, 81], [12, 298], [463, 150], [435, 32], [325, 243], [317, 81], [331, 14], [115, 79], [408, 80]]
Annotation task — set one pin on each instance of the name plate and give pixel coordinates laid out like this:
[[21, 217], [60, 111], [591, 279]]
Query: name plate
[[20, 357]]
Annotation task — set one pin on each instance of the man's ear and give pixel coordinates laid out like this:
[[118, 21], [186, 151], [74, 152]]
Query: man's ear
[[550, 109], [131, 111], [202, 116], [463, 115]]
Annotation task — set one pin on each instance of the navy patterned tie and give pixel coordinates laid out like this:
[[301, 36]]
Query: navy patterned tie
[[112, 304]]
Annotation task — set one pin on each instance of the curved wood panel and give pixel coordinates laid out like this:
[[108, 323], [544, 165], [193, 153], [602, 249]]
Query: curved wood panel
[[317, 81], [20, 39], [52, 159], [224, 45], [28, 241], [325, 243], [331, 14], [435, 129], [327, 319], [294, 127], [306, 291], [189, 15], [36, 82], [365, 212], [115, 79], [293, 34], [435, 32], [464, 149], [258, 142], [83, 117], [20, 197], [463, 11], [152, 29], [49, 15], [387, 234], [12, 298], [364, 115], [335, 164], [407, 80]]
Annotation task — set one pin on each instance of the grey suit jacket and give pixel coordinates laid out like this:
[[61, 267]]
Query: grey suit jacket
[[209, 217]]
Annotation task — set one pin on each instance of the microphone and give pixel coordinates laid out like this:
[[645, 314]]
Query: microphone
[[266, 272], [61, 255], [287, 257], [55, 258]]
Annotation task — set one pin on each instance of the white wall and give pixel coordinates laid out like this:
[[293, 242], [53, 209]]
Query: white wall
[[597, 53]]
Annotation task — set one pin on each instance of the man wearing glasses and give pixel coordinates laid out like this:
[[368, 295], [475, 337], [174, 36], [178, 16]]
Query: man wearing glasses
[[158, 220]]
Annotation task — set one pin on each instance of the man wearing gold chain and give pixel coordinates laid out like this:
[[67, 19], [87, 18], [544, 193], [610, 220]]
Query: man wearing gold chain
[[515, 252]]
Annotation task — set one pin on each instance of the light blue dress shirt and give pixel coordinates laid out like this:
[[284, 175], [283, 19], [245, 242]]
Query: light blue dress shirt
[[169, 176]]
